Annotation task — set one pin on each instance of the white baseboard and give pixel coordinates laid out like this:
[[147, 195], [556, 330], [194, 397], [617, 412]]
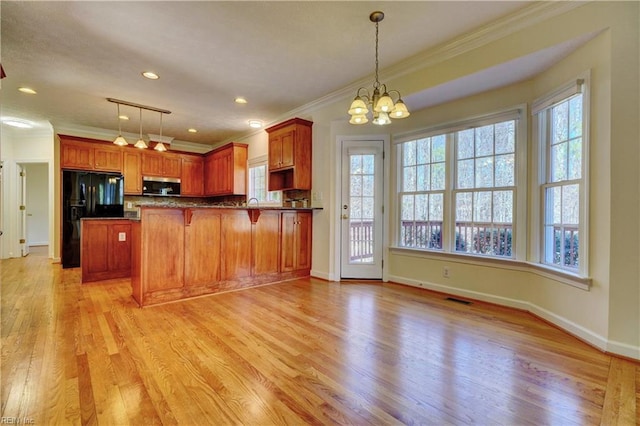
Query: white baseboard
[[322, 275], [571, 327]]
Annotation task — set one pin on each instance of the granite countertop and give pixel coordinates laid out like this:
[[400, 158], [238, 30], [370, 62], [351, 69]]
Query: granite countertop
[[200, 206]]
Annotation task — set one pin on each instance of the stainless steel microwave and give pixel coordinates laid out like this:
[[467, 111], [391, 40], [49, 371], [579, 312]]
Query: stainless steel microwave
[[163, 186]]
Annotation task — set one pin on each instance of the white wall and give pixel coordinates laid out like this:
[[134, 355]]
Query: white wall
[[607, 315], [24, 146]]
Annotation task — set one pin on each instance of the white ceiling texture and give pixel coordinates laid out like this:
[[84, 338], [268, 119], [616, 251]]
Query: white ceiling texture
[[279, 55]]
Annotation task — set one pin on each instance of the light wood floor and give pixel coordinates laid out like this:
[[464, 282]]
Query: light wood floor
[[300, 352]]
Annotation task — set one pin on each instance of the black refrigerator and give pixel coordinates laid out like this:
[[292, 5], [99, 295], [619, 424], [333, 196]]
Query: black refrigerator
[[86, 194]]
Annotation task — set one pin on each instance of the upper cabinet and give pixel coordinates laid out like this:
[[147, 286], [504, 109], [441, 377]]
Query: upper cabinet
[[163, 164], [290, 155], [132, 172], [192, 175], [78, 153], [225, 170]]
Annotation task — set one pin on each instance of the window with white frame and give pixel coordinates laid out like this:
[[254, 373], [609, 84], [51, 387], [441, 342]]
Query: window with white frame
[[258, 185], [562, 142], [473, 167]]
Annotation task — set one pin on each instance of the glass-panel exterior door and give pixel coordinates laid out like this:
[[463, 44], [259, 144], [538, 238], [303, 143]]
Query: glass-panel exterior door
[[361, 209]]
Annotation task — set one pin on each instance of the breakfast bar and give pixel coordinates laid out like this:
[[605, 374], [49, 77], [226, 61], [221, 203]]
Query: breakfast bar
[[182, 252]]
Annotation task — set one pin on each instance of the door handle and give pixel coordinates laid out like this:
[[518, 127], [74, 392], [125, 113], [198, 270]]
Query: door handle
[[345, 216]]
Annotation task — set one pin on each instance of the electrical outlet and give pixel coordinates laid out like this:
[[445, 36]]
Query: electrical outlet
[[129, 205], [122, 236], [445, 271]]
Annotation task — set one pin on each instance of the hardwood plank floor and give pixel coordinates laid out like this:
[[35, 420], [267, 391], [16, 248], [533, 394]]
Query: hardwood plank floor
[[299, 352]]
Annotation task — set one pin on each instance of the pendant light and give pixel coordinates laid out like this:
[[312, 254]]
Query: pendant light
[[160, 146], [141, 144], [380, 100], [120, 141]]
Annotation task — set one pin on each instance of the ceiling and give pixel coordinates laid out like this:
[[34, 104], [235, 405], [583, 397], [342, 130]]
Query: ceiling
[[278, 55]]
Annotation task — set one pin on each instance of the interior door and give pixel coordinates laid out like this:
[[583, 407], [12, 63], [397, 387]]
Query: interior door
[[22, 179], [361, 209]]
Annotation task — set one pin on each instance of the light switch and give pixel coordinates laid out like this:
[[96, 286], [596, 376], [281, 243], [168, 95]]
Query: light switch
[[122, 236]]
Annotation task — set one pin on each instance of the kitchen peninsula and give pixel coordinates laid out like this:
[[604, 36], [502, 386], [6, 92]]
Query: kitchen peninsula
[[180, 252]]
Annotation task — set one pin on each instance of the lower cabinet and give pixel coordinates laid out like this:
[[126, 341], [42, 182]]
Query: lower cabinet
[[296, 241], [185, 252], [105, 249]]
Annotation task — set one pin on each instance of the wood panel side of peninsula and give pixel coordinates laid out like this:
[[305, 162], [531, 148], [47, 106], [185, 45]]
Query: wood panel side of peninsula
[[183, 252]]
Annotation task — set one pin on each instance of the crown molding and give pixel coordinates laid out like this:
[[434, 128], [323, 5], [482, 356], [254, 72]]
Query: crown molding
[[537, 12]]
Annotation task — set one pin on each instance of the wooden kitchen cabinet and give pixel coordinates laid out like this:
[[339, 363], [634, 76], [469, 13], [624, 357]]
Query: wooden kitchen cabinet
[[183, 252], [192, 175], [296, 241], [290, 155], [105, 249], [225, 170], [84, 154], [132, 163], [163, 164]]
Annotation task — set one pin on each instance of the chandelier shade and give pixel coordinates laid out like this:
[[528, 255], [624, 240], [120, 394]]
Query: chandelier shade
[[141, 143], [119, 140], [383, 107]]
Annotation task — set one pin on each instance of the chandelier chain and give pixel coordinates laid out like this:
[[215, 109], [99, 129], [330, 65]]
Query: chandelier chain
[[377, 82]]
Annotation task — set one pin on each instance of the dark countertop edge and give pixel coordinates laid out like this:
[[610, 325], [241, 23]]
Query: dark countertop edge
[[151, 206], [105, 218]]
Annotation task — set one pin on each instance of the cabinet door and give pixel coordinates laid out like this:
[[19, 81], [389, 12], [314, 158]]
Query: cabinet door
[[108, 159], [209, 175], [95, 250], [288, 146], [171, 165], [296, 241], [303, 240], [132, 173], [236, 246], [151, 164], [202, 248], [162, 249], [266, 232], [76, 156], [192, 176], [223, 164], [275, 151]]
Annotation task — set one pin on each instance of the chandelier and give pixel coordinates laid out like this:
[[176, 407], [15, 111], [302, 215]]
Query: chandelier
[[121, 141], [382, 104]]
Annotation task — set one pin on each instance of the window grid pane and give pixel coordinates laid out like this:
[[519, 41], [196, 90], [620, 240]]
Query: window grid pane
[[422, 197], [562, 199], [485, 189]]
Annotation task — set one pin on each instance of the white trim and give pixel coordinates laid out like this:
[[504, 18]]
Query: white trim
[[589, 336], [517, 112], [561, 276], [558, 95], [334, 216]]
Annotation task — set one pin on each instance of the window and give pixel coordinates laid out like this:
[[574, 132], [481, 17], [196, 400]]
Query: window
[[258, 185], [485, 189], [422, 195], [473, 167], [561, 125]]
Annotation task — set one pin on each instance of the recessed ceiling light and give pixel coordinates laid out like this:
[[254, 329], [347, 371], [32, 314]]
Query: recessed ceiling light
[[192, 130], [151, 75], [256, 124], [27, 90], [241, 100], [21, 124], [123, 117]]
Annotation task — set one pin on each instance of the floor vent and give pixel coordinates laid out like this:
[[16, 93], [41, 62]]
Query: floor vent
[[453, 299]]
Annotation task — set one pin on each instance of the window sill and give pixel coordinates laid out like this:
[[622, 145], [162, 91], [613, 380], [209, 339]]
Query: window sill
[[583, 283]]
